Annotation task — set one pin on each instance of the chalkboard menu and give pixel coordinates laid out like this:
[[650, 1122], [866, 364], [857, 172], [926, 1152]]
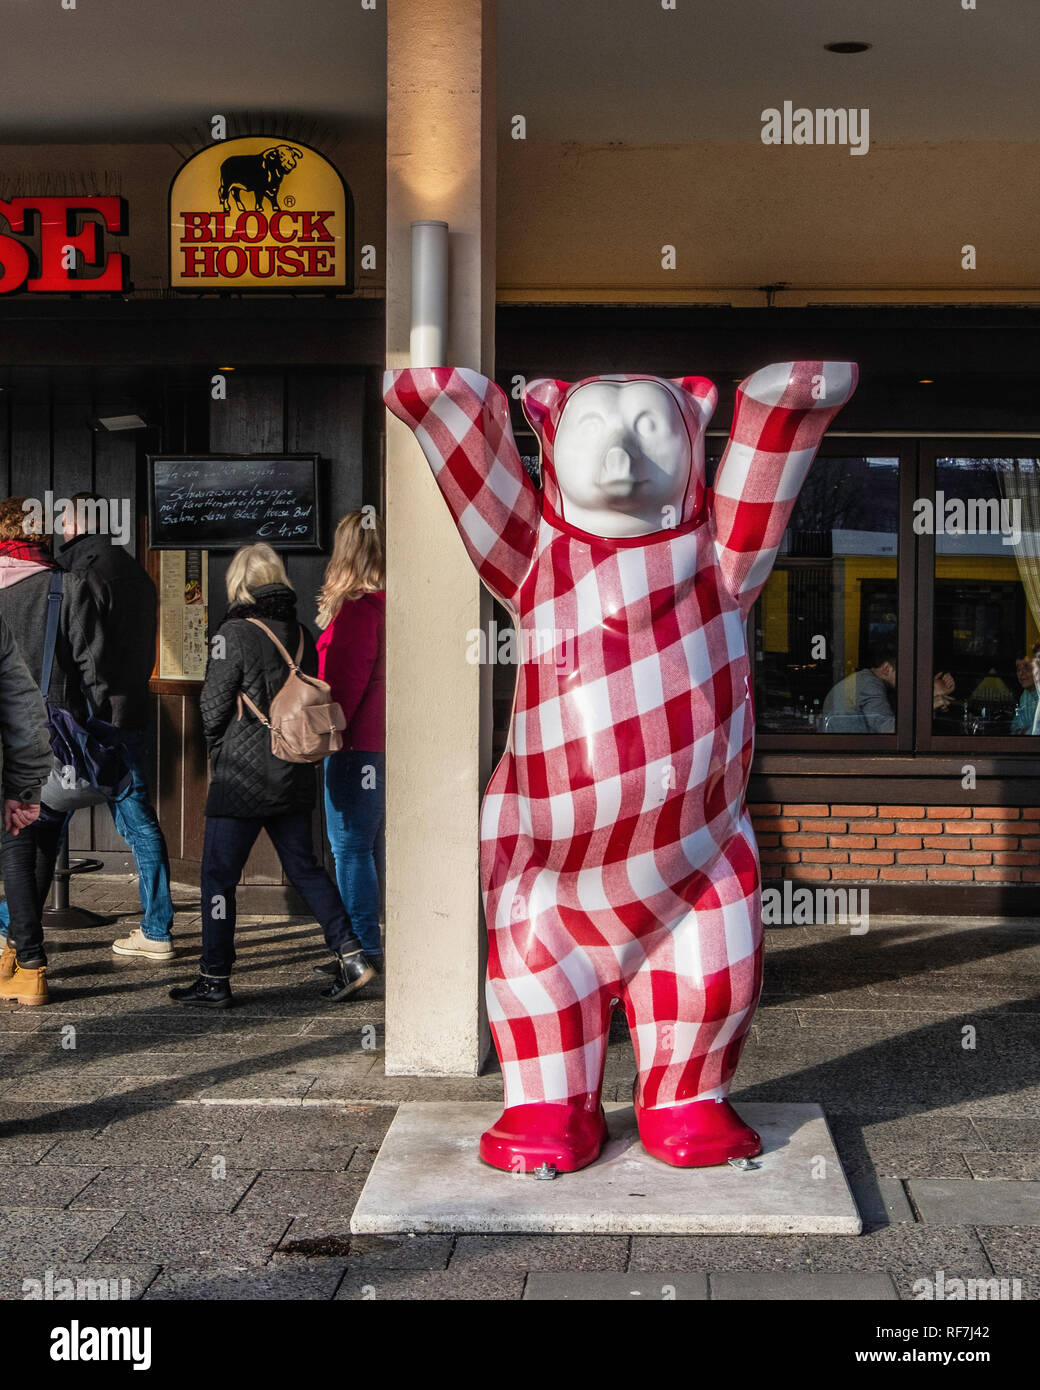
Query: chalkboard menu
[[223, 501]]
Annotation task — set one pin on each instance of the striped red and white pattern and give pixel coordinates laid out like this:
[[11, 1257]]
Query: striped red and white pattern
[[618, 862]]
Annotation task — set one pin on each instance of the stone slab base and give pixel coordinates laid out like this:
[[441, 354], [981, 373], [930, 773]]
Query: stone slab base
[[428, 1177]]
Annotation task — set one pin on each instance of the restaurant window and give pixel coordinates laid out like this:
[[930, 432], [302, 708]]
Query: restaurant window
[[902, 612], [884, 628], [986, 595], [827, 618]]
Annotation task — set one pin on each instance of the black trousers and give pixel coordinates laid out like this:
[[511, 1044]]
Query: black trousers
[[225, 851], [28, 860]]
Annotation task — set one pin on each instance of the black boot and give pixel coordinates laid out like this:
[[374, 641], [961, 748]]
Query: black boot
[[353, 972], [208, 990], [331, 967]]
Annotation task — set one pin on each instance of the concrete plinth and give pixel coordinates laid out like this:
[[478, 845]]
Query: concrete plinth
[[428, 1177]]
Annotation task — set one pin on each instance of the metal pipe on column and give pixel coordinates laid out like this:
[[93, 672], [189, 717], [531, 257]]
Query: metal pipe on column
[[428, 342]]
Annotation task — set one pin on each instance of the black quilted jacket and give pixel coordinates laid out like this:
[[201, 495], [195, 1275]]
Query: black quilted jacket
[[246, 779]]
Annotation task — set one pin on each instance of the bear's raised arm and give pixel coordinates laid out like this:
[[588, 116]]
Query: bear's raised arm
[[461, 420], [780, 417]]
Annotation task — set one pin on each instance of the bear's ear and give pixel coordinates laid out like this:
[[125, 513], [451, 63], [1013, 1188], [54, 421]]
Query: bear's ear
[[539, 398], [702, 393]]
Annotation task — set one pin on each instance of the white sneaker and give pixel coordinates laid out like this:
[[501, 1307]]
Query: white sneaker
[[137, 944]]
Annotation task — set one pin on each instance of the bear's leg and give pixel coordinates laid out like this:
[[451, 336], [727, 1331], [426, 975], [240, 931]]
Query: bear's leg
[[690, 1006], [550, 1016]]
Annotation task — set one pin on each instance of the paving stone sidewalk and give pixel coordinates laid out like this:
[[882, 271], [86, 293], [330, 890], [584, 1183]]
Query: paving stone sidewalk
[[220, 1156]]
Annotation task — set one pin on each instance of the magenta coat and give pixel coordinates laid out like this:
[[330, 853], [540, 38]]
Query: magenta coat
[[352, 658]]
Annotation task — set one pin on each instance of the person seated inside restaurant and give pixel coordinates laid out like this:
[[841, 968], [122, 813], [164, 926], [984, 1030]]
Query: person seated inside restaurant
[[861, 704], [1025, 713]]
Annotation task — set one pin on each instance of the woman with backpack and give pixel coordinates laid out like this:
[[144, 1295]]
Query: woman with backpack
[[254, 786], [352, 658]]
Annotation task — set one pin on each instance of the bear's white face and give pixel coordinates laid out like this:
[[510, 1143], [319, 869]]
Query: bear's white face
[[622, 457]]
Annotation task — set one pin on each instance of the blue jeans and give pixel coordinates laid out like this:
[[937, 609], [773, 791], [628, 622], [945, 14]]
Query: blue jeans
[[355, 812], [225, 851], [138, 824]]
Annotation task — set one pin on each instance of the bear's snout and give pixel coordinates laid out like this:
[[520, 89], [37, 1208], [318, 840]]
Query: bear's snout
[[618, 467]]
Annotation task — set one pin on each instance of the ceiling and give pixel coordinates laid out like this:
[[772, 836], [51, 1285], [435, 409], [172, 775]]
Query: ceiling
[[583, 71], [152, 71], [629, 70]]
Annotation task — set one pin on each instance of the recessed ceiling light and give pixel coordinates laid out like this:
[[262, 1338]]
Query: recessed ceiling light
[[847, 47]]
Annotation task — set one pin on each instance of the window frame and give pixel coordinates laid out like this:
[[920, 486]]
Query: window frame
[[930, 449], [905, 448]]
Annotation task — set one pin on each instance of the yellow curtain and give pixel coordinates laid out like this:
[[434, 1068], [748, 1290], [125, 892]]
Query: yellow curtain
[[1020, 481]]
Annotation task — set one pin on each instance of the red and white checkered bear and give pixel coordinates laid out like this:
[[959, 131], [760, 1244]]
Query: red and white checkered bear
[[618, 861]]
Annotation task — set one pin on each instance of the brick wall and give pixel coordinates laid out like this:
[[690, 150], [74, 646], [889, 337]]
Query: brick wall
[[898, 844]]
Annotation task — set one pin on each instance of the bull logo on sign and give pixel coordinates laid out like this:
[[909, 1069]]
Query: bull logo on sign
[[259, 174]]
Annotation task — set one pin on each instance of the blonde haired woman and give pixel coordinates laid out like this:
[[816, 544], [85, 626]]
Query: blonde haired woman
[[251, 789], [352, 658]]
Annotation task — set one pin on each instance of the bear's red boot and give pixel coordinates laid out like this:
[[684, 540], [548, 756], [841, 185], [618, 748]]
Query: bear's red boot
[[566, 1137], [696, 1133]]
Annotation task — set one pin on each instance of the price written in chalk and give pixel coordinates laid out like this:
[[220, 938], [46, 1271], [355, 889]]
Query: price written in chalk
[[225, 502]]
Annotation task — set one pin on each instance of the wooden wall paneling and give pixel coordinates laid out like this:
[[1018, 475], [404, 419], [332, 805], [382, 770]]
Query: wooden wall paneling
[[72, 439], [250, 420], [115, 474], [5, 441], [195, 778], [180, 759], [325, 416], [168, 791], [104, 836], [30, 431], [81, 834]]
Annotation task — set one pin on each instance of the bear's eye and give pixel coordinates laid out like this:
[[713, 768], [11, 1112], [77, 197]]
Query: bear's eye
[[646, 423], [590, 423]]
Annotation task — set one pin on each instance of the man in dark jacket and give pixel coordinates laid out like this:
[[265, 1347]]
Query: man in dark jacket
[[27, 761], [26, 567], [121, 642]]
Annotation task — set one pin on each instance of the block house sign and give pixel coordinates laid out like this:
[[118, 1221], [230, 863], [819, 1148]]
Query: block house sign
[[260, 213], [61, 246]]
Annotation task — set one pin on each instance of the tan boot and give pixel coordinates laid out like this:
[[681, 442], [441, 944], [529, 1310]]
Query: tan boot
[[26, 986], [7, 960]]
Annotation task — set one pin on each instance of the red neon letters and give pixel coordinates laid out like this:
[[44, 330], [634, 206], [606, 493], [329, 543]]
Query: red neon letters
[[56, 271]]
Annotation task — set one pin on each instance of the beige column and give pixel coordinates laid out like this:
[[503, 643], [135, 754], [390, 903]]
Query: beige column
[[440, 166]]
